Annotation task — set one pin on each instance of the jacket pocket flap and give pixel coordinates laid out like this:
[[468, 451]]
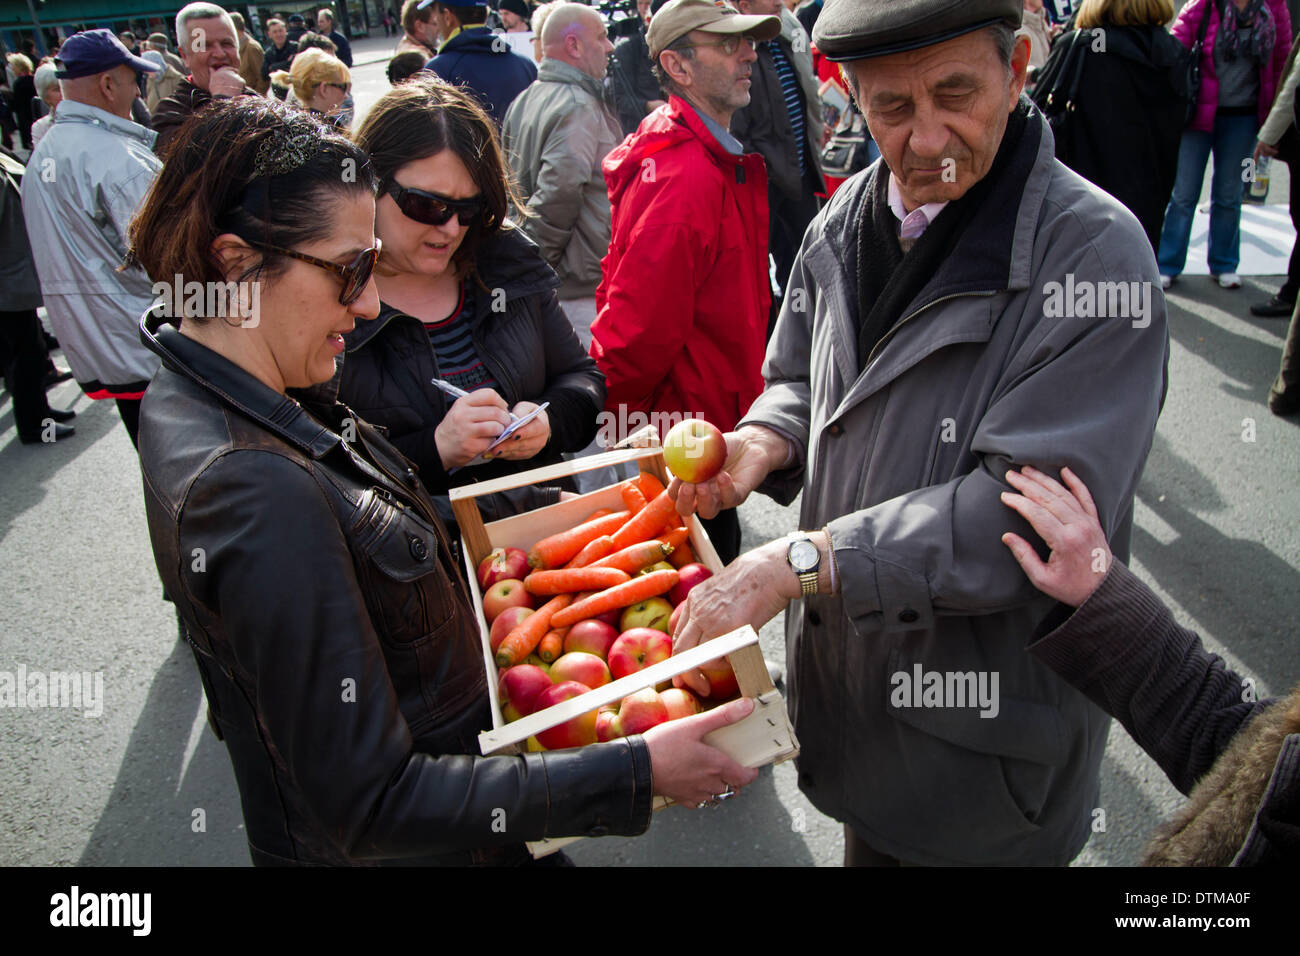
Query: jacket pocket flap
[[969, 710], [399, 543]]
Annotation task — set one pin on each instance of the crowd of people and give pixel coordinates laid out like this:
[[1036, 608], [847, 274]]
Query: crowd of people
[[679, 221]]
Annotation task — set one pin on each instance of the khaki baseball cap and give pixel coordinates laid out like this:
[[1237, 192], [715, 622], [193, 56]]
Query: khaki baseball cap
[[677, 18]]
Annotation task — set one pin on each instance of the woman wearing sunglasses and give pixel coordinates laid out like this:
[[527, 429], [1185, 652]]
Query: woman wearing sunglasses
[[465, 298], [334, 635], [320, 82]]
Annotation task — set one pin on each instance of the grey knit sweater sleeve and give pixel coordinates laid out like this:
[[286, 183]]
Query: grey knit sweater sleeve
[[1123, 649]]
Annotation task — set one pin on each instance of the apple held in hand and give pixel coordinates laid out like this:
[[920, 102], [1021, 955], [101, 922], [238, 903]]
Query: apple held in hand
[[579, 731], [652, 612], [504, 623], [694, 450], [688, 576], [518, 689], [504, 594], [637, 649], [503, 564], [581, 667], [637, 714], [592, 636], [722, 679]]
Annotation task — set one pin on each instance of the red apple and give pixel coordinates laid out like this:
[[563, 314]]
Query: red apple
[[722, 679], [694, 450], [636, 714], [506, 622], [606, 724], [576, 732], [502, 564], [519, 688], [688, 576], [591, 636], [504, 594], [610, 617], [652, 612], [679, 702], [638, 649], [581, 667]]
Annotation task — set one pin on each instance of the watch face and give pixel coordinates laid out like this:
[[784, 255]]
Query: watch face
[[803, 555]]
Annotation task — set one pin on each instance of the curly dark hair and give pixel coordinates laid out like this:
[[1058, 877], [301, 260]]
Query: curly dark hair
[[253, 168]]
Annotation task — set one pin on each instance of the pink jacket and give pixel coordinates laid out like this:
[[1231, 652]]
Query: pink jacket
[[1187, 27]]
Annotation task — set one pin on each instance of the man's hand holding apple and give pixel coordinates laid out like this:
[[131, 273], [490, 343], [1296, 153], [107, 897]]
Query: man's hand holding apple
[[752, 452]]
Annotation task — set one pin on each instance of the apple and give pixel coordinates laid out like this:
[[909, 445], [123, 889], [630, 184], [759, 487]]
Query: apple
[[679, 702], [536, 661], [607, 724], [502, 564], [506, 622], [518, 689], [652, 612], [610, 617], [637, 714], [657, 566], [688, 576], [722, 679], [591, 636], [504, 594], [637, 649], [694, 450], [581, 667], [576, 732]]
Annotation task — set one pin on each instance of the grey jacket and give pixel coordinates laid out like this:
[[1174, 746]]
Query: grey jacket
[[84, 182], [556, 133], [904, 464]]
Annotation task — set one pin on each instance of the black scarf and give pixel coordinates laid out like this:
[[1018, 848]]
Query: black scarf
[[888, 280]]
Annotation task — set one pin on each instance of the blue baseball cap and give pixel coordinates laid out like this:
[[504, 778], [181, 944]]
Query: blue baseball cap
[[455, 4], [96, 51]]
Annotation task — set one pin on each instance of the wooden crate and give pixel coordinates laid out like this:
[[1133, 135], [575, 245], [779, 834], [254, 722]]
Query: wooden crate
[[764, 737]]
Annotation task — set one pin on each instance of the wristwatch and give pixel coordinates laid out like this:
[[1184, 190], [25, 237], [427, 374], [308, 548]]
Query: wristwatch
[[805, 560]]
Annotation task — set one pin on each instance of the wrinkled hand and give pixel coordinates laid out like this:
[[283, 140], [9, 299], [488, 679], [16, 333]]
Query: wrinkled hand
[[750, 454], [226, 82], [751, 590], [686, 769], [1263, 149], [470, 426], [1068, 523], [530, 439]]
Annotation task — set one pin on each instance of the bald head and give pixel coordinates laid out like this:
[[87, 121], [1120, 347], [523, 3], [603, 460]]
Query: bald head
[[574, 33]]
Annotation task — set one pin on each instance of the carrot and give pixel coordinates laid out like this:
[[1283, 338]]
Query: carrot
[[573, 580], [523, 640], [557, 549], [622, 595], [675, 538], [633, 500], [649, 484], [647, 522], [682, 556], [552, 645], [633, 559], [592, 552], [600, 513]]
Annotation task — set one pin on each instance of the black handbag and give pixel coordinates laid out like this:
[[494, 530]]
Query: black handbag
[[1194, 63], [1059, 83]]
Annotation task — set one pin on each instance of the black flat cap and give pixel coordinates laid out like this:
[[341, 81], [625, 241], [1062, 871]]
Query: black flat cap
[[858, 29]]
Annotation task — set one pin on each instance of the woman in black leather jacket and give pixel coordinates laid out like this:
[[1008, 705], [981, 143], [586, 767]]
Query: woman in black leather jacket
[[333, 631], [465, 297]]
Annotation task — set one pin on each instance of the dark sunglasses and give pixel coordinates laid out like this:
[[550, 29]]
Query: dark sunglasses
[[355, 275], [431, 209]]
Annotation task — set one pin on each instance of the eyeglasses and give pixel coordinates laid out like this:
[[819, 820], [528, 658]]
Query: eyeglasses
[[728, 44], [432, 209], [344, 87], [355, 275]]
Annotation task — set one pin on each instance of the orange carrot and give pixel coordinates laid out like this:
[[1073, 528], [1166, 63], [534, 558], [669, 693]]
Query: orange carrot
[[647, 522], [623, 595], [600, 513], [633, 500], [592, 552], [523, 640], [649, 484], [555, 551], [632, 559], [682, 556], [552, 645], [675, 538], [573, 580]]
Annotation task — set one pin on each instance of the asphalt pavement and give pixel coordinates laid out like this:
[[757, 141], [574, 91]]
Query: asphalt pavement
[[145, 782]]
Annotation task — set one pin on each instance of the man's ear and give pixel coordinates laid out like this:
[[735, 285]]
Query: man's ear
[[232, 256], [1019, 69], [671, 63]]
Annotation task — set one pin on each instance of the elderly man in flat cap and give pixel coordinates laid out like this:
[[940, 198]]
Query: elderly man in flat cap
[[964, 307]]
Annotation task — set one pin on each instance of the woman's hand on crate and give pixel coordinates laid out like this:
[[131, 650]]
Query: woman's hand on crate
[[470, 426], [752, 452], [689, 771]]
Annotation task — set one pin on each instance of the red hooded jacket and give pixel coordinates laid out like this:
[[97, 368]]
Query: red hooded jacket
[[683, 301]]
